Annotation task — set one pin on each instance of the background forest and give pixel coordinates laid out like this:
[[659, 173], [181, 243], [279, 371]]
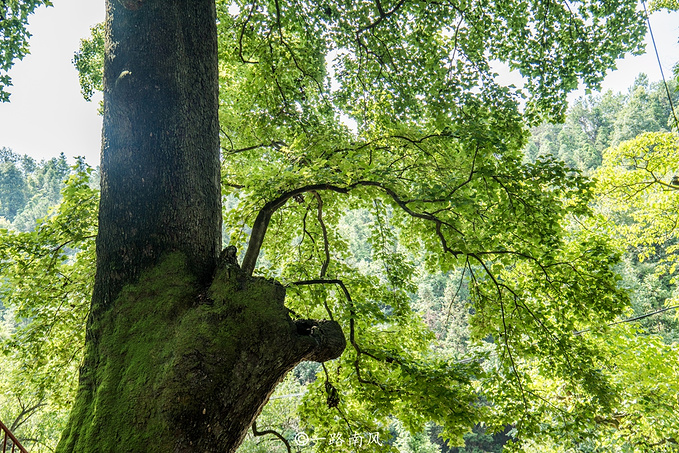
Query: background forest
[[621, 140]]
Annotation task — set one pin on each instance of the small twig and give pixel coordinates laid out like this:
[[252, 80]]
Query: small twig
[[504, 328], [457, 292], [383, 15], [326, 245], [25, 414], [319, 282], [271, 432], [242, 33]]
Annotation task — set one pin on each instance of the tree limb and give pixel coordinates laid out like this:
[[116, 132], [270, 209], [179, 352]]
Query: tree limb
[[264, 217], [270, 432], [383, 15]]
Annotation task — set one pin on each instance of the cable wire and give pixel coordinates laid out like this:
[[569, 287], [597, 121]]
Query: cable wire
[[662, 73]]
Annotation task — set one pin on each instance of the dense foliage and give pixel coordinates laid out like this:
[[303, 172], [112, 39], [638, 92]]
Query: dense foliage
[[47, 273], [475, 287]]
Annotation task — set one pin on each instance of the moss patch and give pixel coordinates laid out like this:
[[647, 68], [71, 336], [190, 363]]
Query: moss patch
[[116, 408], [174, 369]]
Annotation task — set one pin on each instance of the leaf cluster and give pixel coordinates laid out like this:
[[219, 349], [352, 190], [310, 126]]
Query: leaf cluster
[[639, 195], [47, 277], [89, 61]]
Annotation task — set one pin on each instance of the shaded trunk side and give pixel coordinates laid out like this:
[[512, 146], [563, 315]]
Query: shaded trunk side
[[160, 187]]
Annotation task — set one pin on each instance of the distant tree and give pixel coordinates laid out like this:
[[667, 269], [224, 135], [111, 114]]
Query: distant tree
[[651, 293], [646, 110], [638, 205], [407, 442], [8, 156], [543, 142], [596, 122], [587, 129], [46, 276], [42, 184]]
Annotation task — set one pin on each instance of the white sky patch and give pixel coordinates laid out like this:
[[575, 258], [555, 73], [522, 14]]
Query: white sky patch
[[349, 122], [507, 77], [47, 115], [234, 9]]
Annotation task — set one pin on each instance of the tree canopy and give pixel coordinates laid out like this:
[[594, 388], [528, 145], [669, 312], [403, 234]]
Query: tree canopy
[[14, 37], [435, 160], [392, 115]]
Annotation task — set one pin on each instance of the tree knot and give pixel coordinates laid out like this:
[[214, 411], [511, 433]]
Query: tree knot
[[228, 257]]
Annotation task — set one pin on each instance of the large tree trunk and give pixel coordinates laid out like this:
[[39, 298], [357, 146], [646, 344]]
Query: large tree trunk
[[181, 352], [160, 154]]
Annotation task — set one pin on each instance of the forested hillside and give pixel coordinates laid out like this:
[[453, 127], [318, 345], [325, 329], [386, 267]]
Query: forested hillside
[[34, 394], [600, 122], [49, 247], [28, 189], [594, 124], [597, 122]]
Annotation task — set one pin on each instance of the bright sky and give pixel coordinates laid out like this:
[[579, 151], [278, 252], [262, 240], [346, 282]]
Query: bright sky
[[47, 115]]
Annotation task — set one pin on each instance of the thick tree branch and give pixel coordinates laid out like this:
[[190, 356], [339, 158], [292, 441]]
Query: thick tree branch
[[352, 328], [262, 220]]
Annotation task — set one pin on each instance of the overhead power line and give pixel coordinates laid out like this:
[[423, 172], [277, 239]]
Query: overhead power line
[[662, 73]]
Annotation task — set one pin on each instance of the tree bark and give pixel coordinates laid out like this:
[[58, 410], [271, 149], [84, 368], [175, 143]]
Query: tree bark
[[160, 187], [183, 348], [177, 369]]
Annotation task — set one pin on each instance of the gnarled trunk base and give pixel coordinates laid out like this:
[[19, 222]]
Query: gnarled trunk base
[[181, 369]]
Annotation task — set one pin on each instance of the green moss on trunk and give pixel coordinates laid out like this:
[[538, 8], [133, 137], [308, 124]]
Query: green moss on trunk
[[116, 408], [180, 368]]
